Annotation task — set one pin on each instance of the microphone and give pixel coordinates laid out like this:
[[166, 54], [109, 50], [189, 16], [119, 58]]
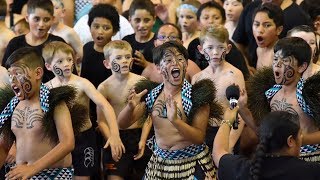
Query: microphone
[[233, 94]]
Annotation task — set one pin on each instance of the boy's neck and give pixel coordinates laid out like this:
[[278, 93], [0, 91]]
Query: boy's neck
[[271, 46], [98, 48], [35, 97], [187, 35], [121, 77], [63, 80], [218, 67], [143, 39], [292, 86], [171, 89], [35, 41]]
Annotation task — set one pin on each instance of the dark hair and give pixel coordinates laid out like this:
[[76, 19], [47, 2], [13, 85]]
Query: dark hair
[[47, 5], [170, 24], [273, 11], [158, 52], [296, 47], [212, 4], [3, 9], [142, 4], [274, 131], [307, 29], [29, 56], [105, 11]]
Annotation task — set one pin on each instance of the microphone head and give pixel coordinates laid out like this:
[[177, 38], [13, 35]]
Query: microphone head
[[233, 91]]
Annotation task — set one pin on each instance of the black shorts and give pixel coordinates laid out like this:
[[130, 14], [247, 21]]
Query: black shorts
[[210, 135], [127, 166], [84, 156]]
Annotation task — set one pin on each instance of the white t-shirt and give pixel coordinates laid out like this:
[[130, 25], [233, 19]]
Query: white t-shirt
[[83, 30]]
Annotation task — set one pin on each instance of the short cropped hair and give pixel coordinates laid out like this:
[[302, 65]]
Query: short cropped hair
[[215, 5], [142, 4], [51, 48], [273, 11], [29, 56], [296, 47], [216, 31], [46, 5], [116, 44], [159, 51], [105, 11]]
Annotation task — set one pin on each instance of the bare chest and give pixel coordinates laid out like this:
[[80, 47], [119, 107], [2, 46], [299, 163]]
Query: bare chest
[[285, 103], [160, 110], [26, 119]]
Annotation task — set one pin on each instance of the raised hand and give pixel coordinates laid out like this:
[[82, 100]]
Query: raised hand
[[140, 60], [171, 108], [134, 98]]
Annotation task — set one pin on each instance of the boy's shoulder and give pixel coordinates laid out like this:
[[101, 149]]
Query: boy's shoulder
[[229, 68], [129, 38]]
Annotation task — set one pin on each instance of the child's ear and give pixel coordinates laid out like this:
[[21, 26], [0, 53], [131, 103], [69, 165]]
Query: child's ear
[[106, 63], [26, 18], [229, 47], [200, 49], [63, 12], [39, 73], [158, 69], [279, 30], [48, 66], [302, 67]]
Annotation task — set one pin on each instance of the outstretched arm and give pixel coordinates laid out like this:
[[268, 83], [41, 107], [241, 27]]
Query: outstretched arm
[[106, 120], [133, 111], [221, 141]]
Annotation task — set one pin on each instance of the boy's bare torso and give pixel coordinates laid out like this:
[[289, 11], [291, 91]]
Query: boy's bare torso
[[288, 102], [26, 124], [167, 136], [116, 91], [81, 97], [223, 79]]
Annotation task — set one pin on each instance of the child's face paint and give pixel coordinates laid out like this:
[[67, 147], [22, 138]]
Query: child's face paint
[[121, 61]]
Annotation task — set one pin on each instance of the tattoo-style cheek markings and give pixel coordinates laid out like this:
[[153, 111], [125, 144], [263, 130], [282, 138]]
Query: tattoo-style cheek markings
[[57, 70], [130, 65], [206, 56], [223, 55], [115, 66], [287, 74]]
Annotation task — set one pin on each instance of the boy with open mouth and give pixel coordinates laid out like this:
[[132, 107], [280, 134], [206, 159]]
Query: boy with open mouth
[[179, 112]]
